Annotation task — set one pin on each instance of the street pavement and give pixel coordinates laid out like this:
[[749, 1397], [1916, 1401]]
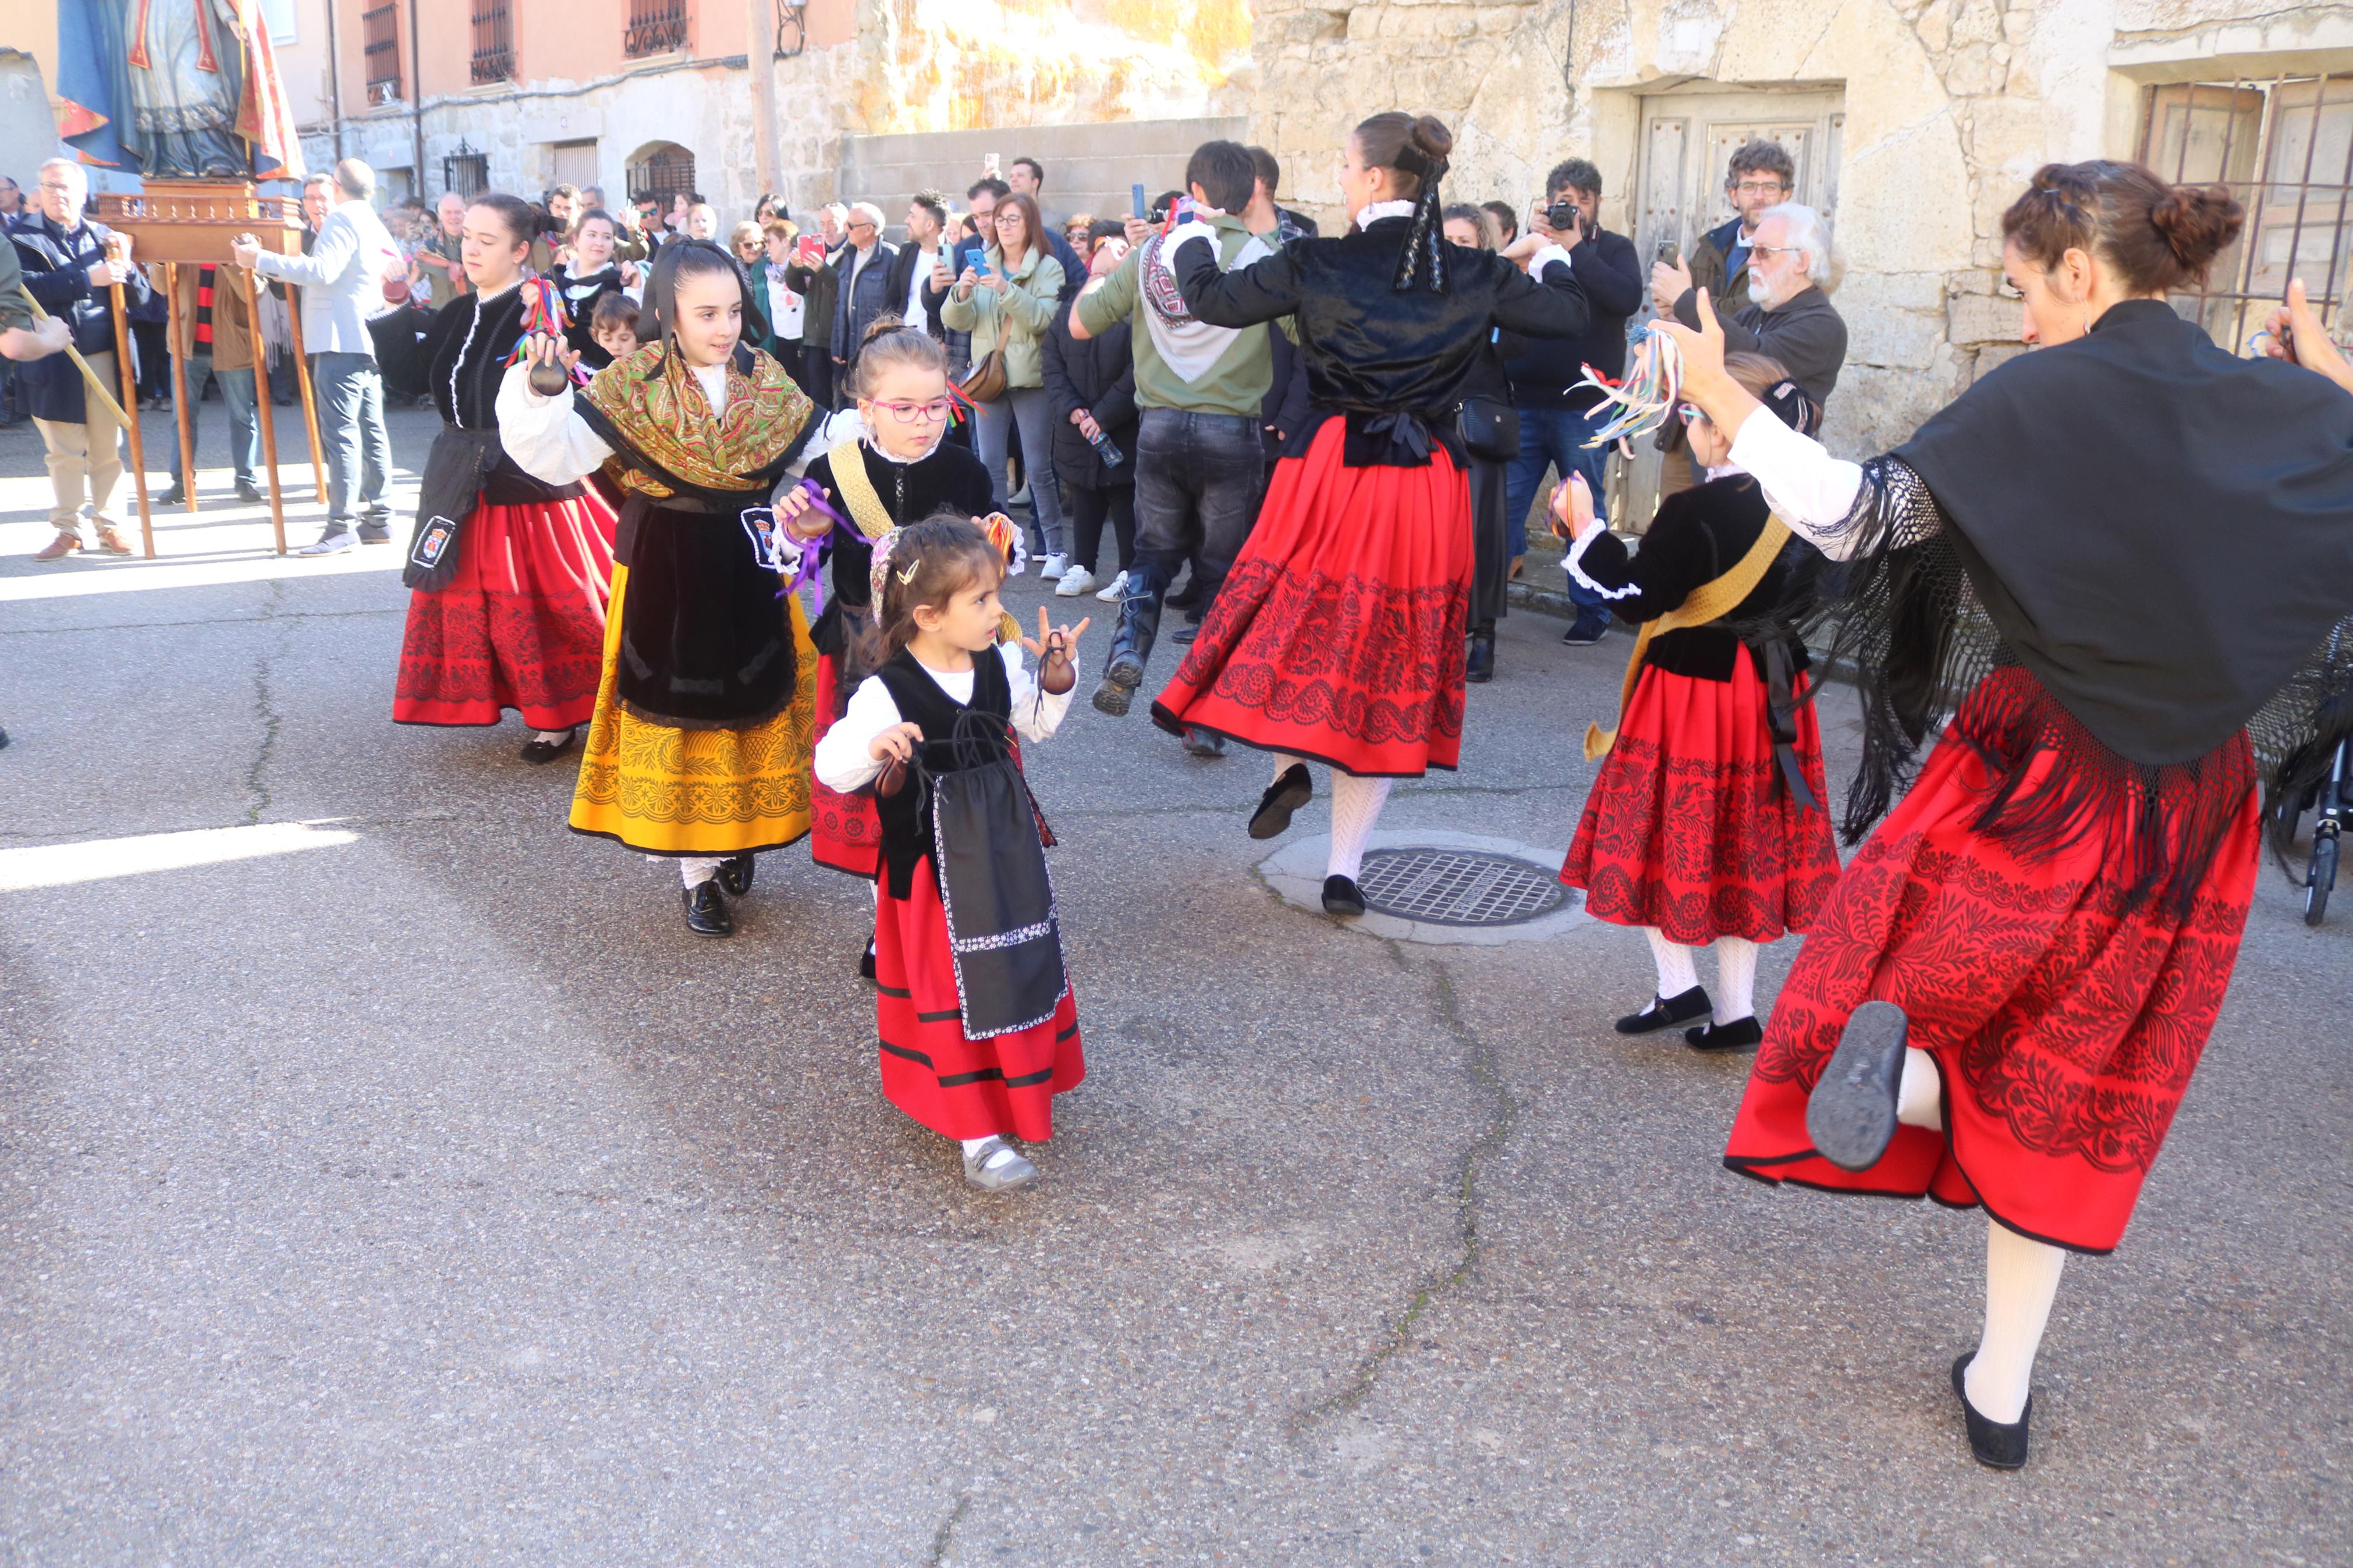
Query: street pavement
[[392, 1179]]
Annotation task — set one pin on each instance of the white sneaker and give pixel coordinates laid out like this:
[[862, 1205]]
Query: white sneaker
[[1053, 565], [1118, 585], [1075, 581], [335, 541]]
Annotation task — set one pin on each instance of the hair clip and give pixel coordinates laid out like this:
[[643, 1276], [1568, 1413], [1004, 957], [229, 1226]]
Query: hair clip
[[908, 575]]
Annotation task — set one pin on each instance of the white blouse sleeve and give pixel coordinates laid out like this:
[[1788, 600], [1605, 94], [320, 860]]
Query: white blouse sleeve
[[1813, 491], [1037, 713], [843, 762], [544, 438]]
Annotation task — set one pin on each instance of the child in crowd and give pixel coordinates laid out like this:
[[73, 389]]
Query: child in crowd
[[978, 1028], [614, 324]]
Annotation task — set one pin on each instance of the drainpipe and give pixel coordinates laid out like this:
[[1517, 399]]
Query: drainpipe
[[335, 79], [416, 97]]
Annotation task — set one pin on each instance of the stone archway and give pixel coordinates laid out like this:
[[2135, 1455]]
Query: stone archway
[[661, 170]]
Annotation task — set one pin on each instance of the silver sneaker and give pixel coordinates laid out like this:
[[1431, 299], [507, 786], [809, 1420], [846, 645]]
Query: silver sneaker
[[994, 1167]]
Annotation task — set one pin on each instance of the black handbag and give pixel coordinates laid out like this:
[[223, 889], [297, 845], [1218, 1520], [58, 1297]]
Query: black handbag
[[1490, 430]]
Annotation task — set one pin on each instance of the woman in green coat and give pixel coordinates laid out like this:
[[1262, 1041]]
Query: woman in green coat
[[1007, 302]]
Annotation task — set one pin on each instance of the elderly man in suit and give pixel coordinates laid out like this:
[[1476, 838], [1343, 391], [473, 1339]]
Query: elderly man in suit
[[343, 286]]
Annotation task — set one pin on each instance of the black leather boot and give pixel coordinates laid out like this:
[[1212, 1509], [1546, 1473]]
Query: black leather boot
[[1130, 650], [735, 874], [706, 911], [1480, 667]]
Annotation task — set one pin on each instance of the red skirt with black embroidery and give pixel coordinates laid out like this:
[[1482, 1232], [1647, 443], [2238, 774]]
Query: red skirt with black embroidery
[[844, 832], [2064, 1014], [1339, 634], [959, 1087], [1691, 827], [520, 623]]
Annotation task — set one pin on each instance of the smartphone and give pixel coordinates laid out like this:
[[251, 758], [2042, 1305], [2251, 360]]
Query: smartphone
[[988, 166], [1136, 201], [980, 264], [1667, 252]]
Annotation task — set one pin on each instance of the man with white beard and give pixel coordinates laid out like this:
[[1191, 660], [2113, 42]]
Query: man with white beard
[[1788, 317]]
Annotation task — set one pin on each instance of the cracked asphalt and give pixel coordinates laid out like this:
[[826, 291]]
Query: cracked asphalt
[[419, 1192]]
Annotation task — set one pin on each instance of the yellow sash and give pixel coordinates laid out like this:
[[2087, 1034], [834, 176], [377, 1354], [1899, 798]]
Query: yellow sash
[[847, 461], [1712, 601]]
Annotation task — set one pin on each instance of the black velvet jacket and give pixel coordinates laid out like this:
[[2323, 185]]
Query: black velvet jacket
[[1698, 535], [581, 296], [1374, 351], [950, 480], [906, 817], [465, 349]]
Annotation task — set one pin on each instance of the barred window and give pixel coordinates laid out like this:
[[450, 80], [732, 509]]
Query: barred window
[[495, 55], [2285, 148], [654, 27], [380, 48]]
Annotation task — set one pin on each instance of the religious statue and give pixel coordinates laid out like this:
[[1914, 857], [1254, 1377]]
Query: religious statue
[[174, 90]]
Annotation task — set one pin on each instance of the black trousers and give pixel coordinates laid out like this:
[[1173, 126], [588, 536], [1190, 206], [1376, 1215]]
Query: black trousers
[[817, 379], [1089, 507], [1489, 548]]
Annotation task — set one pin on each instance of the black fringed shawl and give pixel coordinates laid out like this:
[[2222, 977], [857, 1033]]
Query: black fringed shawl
[[2161, 534]]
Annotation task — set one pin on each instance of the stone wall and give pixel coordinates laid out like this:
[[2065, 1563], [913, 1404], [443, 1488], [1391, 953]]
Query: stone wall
[[1950, 107]]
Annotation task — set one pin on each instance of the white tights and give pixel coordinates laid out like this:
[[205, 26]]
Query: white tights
[[2021, 1274], [1736, 972], [1356, 808]]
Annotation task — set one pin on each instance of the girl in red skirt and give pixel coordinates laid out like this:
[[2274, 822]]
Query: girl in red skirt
[[1338, 635], [511, 574], [1705, 825], [2004, 998], [978, 1027]]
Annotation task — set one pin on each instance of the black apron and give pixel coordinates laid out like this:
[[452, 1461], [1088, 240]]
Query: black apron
[[454, 470]]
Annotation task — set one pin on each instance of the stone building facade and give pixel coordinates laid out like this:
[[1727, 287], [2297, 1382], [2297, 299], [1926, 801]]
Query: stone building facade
[[1923, 119]]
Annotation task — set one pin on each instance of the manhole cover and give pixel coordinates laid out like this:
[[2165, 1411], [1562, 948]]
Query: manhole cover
[[1458, 886]]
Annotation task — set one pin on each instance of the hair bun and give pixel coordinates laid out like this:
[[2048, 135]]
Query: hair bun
[[887, 322], [1432, 139], [2198, 222]]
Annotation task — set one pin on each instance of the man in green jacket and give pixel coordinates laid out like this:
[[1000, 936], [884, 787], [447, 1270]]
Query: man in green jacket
[[1201, 467]]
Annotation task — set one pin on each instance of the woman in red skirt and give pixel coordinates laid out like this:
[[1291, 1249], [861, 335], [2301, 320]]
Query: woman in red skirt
[[2131, 543], [978, 1027], [1338, 635], [511, 574], [1706, 824]]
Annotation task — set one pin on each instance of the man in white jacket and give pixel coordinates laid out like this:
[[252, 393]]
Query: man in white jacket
[[343, 282]]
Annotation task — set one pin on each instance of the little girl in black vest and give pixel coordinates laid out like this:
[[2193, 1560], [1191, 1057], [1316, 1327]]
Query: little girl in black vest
[[978, 1027]]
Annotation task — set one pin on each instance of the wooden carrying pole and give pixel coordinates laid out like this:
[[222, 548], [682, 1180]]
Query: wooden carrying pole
[[130, 407], [302, 385], [92, 381], [181, 412], [261, 405]]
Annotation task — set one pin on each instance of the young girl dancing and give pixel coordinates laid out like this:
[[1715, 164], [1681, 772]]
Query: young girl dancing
[[897, 469], [977, 1025], [1706, 824]]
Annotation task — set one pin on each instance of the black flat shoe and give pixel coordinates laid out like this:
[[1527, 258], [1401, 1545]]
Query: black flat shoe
[[706, 911], [1740, 1035], [1851, 1115], [1666, 1012], [1204, 743], [1478, 668], [1342, 896], [866, 962], [1997, 1446], [536, 751], [736, 875], [1283, 796]]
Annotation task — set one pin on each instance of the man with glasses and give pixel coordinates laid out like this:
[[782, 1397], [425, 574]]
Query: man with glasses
[[864, 290], [1762, 175], [1788, 317], [69, 265]]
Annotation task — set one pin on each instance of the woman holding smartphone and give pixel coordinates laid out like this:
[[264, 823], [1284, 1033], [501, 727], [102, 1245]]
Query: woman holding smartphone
[[1006, 300]]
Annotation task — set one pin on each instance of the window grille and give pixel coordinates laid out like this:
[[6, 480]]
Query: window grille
[[380, 48], [2285, 148], [495, 57], [654, 27], [466, 172]]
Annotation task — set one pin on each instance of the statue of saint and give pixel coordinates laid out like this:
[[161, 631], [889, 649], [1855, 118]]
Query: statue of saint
[[173, 89]]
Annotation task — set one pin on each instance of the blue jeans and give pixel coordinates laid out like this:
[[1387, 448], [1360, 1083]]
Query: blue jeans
[[1554, 437], [244, 426], [1029, 407], [350, 428]]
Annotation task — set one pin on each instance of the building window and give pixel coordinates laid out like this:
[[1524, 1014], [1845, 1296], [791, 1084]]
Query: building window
[[655, 27], [466, 172], [2285, 148], [493, 42], [380, 46], [664, 171]]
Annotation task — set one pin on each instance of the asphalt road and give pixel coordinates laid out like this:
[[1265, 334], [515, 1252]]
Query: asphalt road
[[415, 1189]]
